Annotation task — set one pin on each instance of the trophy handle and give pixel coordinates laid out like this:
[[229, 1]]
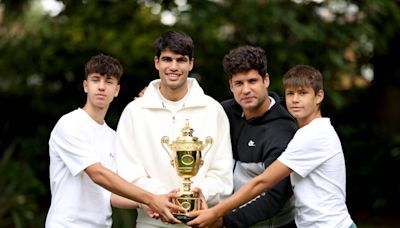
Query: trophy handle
[[207, 146], [164, 143]]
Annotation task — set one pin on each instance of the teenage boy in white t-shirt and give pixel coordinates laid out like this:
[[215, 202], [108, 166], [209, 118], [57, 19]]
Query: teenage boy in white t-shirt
[[314, 160], [82, 159]]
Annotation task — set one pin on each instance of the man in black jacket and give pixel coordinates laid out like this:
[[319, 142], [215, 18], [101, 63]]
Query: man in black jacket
[[260, 131]]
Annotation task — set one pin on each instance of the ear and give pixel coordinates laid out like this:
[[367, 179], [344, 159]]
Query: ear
[[156, 62], [85, 86], [191, 64], [117, 88], [230, 85], [266, 80], [319, 96]]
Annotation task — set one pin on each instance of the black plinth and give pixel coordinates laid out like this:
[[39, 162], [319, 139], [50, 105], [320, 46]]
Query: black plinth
[[183, 218]]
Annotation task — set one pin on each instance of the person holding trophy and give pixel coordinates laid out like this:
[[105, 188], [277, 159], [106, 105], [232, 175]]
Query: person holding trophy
[[83, 183], [261, 128], [172, 128]]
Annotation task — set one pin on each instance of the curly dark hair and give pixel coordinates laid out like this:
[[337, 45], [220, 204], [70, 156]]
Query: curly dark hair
[[245, 58], [104, 65]]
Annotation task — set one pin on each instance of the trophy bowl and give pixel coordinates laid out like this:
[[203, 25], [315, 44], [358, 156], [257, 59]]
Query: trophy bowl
[[186, 157]]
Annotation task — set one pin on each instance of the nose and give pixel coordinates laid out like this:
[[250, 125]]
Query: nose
[[102, 84], [295, 97], [246, 88], [174, 65]]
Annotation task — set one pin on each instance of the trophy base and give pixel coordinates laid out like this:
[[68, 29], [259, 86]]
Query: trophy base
[[190, 202], [183, 218]]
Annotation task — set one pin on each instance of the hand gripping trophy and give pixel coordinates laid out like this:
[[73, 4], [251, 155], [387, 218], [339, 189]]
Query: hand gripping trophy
[[185, 153]]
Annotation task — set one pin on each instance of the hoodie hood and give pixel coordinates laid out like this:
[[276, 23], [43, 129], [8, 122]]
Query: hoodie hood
[[196, 97]]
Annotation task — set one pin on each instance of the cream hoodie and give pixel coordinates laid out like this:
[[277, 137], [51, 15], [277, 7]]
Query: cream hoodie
[[142, 160]]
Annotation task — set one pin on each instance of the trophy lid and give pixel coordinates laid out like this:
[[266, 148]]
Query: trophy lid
[[187, 141]]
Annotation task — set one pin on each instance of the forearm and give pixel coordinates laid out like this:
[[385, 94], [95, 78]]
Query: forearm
[[263, 182], [263, 207], [117, 185], [252, 189], [123, 203], [218, 182]]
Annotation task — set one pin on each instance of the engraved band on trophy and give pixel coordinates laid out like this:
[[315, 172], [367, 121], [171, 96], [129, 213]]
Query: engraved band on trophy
[[186, 157]]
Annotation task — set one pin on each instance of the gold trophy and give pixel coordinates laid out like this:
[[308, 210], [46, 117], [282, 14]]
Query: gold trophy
[[185, 153]]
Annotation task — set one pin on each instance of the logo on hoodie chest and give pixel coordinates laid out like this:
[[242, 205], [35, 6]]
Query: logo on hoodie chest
[[251, 143]]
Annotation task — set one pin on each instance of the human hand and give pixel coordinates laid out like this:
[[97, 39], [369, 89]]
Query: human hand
[[149, 211], [203, 202], [204, 218], [141, 93], [162, 205]]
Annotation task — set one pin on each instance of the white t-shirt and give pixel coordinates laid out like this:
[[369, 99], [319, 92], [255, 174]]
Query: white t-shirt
[[319, 179], [76, 142]]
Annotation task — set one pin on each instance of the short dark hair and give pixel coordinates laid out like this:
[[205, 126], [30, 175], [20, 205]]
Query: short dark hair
[[303, 76], [245, 58], [104, 65], [177, 42]]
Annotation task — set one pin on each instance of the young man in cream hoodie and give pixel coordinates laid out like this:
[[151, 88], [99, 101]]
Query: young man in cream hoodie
[[162, 111]]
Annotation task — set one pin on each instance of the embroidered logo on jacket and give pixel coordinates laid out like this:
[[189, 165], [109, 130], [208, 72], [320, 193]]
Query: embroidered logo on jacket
[[251, 143]]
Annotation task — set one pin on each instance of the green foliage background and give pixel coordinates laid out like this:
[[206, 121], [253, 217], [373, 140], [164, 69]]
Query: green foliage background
[[41, 73]]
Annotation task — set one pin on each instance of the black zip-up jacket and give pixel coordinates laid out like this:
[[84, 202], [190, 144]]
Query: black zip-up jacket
[[256, 143]]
